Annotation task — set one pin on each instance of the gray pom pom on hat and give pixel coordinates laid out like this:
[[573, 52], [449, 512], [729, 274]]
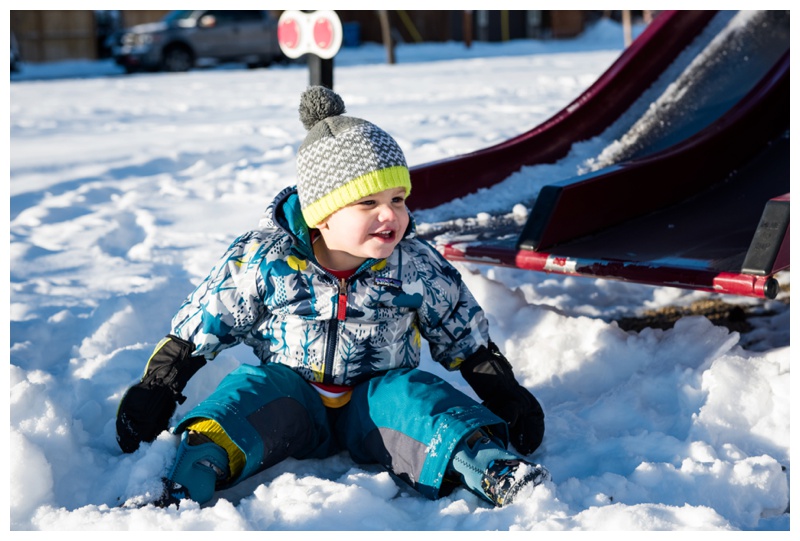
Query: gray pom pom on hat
[[318, 103], [343, 158]]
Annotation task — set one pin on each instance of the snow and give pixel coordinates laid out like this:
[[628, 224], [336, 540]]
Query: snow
[[125, 189]]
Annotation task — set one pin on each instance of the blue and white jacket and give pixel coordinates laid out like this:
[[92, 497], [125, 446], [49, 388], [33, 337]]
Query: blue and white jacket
[[269, 292]]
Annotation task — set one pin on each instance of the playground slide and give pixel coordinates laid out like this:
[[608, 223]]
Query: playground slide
[[704, 206], [601, 104]]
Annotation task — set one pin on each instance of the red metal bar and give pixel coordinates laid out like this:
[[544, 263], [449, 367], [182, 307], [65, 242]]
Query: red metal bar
[[636, 272]]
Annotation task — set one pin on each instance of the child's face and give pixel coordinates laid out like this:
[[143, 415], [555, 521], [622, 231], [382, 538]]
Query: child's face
[[369, 228]]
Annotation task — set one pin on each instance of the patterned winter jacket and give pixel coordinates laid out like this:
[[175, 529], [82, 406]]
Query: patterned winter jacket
[[269, 292]]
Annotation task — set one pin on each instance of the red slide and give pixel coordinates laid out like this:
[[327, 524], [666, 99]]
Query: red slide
[[705, 209], [601, 104]]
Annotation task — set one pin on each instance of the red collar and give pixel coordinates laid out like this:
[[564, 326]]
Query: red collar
[[342, 274]]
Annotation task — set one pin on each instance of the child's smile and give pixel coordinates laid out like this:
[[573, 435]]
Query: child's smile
[[385, 235]]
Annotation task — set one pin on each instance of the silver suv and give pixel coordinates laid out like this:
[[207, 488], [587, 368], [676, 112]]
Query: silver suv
[[197, 38]]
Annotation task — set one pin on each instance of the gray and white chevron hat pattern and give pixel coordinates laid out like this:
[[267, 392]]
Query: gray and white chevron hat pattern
[[329, 162], [343, 158]]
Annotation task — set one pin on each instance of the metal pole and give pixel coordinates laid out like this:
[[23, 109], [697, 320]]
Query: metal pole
[[320, 71]]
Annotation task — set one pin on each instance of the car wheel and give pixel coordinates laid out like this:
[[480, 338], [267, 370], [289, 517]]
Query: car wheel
[[177, 59]]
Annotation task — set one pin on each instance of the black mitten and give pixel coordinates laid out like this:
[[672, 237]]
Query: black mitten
[[490, 375], [145, 409]]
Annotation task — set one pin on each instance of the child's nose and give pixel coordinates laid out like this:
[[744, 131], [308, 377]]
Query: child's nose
[[386, 213]]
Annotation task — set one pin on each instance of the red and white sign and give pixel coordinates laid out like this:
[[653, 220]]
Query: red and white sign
[[318, 33]]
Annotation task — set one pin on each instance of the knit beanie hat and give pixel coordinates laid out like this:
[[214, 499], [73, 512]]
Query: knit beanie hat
[[342, 159]]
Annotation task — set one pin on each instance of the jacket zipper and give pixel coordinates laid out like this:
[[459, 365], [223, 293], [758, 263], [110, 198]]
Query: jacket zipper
[[341, 310], [333, 331]]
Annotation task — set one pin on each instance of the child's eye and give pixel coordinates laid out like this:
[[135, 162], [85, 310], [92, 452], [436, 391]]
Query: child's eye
[[398, 199]]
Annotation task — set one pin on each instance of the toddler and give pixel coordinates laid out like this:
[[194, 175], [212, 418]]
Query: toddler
[[335, 294]]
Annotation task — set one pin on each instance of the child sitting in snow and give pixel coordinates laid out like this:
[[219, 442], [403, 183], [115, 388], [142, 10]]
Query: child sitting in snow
[[334, 295]]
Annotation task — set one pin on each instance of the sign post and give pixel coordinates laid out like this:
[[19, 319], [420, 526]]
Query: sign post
[[316, 33]]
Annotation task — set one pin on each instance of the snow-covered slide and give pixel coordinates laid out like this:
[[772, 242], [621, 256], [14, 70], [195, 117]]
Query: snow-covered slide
[[593, 111], [694, 194]]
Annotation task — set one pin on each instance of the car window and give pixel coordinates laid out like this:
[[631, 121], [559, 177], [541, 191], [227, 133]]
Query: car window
[[251, 15], [228, 16], [177, 15]]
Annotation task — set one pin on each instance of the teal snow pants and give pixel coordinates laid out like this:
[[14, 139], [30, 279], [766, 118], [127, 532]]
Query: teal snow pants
[[408, 420]]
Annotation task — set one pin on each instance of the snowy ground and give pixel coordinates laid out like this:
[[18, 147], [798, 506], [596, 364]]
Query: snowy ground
[[125, 189]]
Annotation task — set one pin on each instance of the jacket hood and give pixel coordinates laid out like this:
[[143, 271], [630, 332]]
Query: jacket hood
[[284, 214]]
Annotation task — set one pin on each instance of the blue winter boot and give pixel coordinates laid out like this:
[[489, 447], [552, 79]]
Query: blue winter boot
[[200, 465], [492, 472]]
